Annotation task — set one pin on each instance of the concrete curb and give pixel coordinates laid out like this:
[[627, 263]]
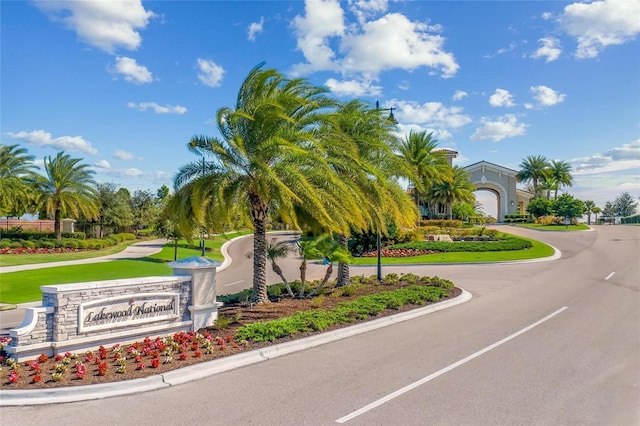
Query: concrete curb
[[210, 368]]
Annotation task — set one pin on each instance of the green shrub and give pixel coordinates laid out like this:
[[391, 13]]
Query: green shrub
[[69, 243], [81, 244], [74, 235], [48, 244], [145, 232], [5, 243], [508, 243], [29, 244], [442, 223], [125, 236], [15, 244]]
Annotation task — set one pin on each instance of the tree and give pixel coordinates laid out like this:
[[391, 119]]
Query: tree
[[426, 165], [269, 157], [67, 189], [596, 210], [162, 193], [143, 208], [539, 207], [589, 206], [533, 169], [559, 173], [17, 175], [114, 208], [456, 189], [279, 250], [568, 207], [624, 205], [609, 211], [327, 248]]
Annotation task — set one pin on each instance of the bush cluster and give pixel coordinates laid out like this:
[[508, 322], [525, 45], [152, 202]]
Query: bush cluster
[[517, 218], [74, 242]]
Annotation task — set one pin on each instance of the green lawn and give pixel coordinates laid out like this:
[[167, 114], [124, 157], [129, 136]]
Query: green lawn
[[24, 286], [578, 227], [537, 251]]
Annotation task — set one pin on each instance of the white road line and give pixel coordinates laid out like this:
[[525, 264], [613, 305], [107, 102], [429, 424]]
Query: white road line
[[609, 276], [234, 283], [443, 371]]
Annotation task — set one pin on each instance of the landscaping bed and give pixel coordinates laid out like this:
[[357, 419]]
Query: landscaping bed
[[288, 318]]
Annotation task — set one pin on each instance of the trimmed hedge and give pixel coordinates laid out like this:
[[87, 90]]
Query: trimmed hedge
[[508, 243], [517, 218]]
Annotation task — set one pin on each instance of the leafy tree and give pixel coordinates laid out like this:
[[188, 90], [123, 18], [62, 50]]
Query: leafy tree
[[161, 194], [456, 189], [144, 209], [114, 208], [269, 156], [67, 189], [624, 205], [589, 206], [533, 169], [17, 175], [568, 207], [539, 207]]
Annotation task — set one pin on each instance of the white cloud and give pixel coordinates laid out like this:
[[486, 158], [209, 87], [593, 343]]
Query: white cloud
[[599, 24], [102, 164], [355, 88], [255, 28], [106, 25], [66, 143], [104, 168], [439, 134], [495, 130], [501, 98], [546, 96], [131, 71], [210, 73], [459, 95], [503, 50], [431, 115], [125, 155], [367, 47], [158, 109], [625, 157], [550, 49], [365, 9]]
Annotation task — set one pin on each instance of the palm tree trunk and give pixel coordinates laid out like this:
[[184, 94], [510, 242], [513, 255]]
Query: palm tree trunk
[[303, 276], [278, 271], [259, 214], [343, 267], [327, 275], [57, 223]]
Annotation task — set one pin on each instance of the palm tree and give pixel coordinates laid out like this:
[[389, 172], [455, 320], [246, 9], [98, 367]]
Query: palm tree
[[533, 169], [360, 145], [279, 250], [458, 188], [596, 210], [590, 205], [427, 166], [16, 180], [269, 157], [326, 247], [67, 189], [560, 174]]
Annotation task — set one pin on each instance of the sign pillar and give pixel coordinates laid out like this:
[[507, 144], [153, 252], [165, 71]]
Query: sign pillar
[[203, 308]]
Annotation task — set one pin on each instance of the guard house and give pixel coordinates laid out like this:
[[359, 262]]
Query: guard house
[[502, 182]]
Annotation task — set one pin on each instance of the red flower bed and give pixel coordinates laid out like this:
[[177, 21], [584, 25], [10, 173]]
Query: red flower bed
[[23, 250], [399, 253]]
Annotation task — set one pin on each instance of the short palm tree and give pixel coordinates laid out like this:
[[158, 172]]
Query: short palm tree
[[596, 210], [17, 175], [279, 250], [67, 189], [533, 169], [268, 158]]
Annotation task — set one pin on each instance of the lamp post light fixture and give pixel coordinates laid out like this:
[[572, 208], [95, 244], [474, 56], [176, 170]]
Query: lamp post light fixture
[[393, 120], [202, 252]]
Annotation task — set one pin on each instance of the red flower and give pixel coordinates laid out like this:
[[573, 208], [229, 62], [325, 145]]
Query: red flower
[[36, 378], [13, 377], [155, 362], [197, 354], [182, 356], [141, 366]]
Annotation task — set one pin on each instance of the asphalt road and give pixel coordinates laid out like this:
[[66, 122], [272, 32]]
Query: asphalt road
[[544, 343]]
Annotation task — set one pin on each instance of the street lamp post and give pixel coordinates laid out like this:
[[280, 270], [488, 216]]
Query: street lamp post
[[392, 119], [202, 252]]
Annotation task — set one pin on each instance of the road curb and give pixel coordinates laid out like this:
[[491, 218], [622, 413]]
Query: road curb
[[210, 368]]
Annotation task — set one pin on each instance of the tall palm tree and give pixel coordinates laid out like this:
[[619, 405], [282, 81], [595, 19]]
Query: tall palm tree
[[596, 210], [67, 189], [427, 166], [590, 205], [458, 188], [269, 156], [533, 169], [17, 174], [560, 174], [360, 145]]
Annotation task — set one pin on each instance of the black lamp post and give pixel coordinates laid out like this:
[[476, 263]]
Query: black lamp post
[[202, 252], [393, 120]]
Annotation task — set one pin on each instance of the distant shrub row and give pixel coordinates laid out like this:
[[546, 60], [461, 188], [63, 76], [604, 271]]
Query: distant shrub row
[[32, 235], [517, 218], [74, 243], [507, 243]]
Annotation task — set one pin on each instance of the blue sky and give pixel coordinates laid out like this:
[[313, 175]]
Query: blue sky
[[125, 85]]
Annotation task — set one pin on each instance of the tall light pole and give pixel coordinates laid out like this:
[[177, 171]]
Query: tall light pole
[[202, 252], [392, 119]]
